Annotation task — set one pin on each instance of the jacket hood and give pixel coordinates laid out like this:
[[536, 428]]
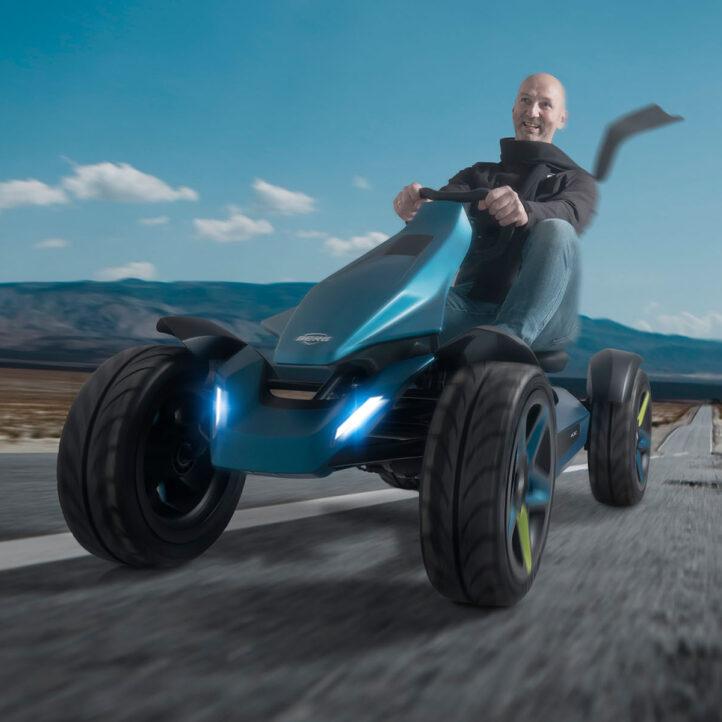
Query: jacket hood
[[532, 152]]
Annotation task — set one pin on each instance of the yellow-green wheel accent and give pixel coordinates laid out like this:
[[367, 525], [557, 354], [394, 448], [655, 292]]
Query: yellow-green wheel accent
[[524, 538], [643, 409]]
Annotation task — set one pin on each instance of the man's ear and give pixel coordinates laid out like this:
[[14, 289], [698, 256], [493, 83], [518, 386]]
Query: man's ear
[[563, 120]]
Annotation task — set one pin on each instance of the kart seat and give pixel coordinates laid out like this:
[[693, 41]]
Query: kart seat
[[552, 361]]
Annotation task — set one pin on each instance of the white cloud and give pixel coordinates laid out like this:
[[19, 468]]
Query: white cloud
[[643, 326], [155, 221], [282, 200], [687, 324], [684, 323], [29, 192], [122, 182], [311, 234], [236, 227], [361, 183], [52, 243], [134, 269], [339, 246]]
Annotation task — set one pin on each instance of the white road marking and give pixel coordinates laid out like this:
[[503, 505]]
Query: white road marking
[[708, 410], [19, 553], [39, 550], [692, 420], [262, 515]]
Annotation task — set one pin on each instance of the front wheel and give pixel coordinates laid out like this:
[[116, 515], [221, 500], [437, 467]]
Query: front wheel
[[135, 478], [487, 483]]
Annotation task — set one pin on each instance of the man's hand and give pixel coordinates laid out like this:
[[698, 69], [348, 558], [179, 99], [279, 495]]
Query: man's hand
[[408, 202], [504, 205]]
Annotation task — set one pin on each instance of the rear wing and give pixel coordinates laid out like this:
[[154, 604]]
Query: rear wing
[[638, 121]]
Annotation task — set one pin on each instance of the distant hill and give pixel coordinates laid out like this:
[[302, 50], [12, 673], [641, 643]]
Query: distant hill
[[85, 322], [664, 355], [88, 321]]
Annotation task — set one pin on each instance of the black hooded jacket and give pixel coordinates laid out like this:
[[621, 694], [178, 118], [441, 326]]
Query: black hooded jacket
[[550, 185]]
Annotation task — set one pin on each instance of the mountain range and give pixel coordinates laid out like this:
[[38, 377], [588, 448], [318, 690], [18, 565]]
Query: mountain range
[[82, 323]]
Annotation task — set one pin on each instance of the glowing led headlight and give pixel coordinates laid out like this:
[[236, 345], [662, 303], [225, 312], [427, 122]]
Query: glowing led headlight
[[220, 407], [360, 416]]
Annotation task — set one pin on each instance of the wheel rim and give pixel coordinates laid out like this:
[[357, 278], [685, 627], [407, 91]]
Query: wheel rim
[[179, 484], [530, 486], [643, 436]]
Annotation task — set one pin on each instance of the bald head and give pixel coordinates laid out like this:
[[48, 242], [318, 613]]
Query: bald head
[[540, 108]]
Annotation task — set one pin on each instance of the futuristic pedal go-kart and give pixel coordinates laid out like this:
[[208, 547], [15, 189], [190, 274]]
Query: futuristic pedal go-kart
[[156, 447]]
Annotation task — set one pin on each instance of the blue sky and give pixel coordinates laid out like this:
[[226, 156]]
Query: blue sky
[[264, 142]]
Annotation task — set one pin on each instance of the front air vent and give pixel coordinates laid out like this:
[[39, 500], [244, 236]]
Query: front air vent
[[292, 394], [295, 391]]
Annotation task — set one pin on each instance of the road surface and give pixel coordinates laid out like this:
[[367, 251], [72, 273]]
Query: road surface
[[316, 607]]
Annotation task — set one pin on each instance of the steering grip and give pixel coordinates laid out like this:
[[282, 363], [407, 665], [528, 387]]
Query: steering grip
[[478, 194]]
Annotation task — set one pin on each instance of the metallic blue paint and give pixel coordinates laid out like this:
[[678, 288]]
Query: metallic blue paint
[[569, 413], [268, 437], [394, 296], [396, 293], [538, 495], [644, 443]]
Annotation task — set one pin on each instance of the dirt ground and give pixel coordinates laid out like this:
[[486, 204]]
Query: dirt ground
[[34, 404]]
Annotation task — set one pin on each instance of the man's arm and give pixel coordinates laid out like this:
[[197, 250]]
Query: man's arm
[[576, 203], [408, 201]]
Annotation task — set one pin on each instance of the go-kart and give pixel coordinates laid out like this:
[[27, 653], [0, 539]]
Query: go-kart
[[156, 447]]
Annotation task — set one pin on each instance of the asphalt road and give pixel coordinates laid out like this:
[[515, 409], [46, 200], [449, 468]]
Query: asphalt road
[[331, 617], [695, 438]]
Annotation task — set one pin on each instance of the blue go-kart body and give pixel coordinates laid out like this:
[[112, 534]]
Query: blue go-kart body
[[357, 367], [154, 451]]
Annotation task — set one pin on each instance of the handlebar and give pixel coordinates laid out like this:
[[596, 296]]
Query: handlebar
[[478, 194]]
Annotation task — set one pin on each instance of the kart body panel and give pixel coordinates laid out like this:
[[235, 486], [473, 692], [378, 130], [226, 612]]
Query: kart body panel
[[397, 290], [268, 435], [572, 427], [383, 313]]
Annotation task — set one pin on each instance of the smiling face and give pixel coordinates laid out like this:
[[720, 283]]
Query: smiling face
[[539, 109]]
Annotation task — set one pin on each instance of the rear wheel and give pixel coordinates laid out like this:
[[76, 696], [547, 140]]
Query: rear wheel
[[135, 478], [620, 446], [487, 483]]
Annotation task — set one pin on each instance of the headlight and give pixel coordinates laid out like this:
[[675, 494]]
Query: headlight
[[220, 408], [360, 416]]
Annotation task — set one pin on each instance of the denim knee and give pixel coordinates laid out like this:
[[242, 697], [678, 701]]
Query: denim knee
[[553, 236]]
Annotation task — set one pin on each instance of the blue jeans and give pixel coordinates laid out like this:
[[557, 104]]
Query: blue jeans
[[542, 306]]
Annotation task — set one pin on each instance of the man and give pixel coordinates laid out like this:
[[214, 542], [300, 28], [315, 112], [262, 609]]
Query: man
[[528, 284]]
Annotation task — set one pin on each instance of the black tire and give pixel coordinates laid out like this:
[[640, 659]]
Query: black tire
[[475, 483], [620, 446], [401, 481], [135, 480]]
